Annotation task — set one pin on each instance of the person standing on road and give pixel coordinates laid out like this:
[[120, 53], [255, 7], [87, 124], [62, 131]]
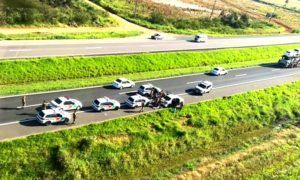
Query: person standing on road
[[142, 107], [44, 105], [74, 117], [23, 101]]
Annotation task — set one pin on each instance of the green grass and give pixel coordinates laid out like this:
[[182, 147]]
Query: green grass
[[176, 20], [23, 76], [86, 35], [145, 145]]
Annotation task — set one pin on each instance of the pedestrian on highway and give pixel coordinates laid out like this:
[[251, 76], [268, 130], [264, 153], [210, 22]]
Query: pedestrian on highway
[[23, 101], [142, 107], [74, 117], [44, 105]]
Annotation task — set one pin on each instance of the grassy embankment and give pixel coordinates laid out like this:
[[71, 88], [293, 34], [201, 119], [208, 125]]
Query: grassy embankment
[[22, 76], [176, 20], [151, 144], [49, 19]]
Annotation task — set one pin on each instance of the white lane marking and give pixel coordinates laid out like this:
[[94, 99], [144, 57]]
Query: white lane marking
[[92, 87], [220, 87], [240, 75], [249, 82], [128, 92], [17, 50], [33, 105], [276, 70], [193, 82], [93, 47]]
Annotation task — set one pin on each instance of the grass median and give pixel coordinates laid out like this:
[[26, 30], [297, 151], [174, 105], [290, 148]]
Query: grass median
[[143, 146], [25, 76]]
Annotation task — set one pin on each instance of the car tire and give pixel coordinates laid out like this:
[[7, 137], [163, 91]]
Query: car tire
[[117, 108], [48, 123], [67, 121]]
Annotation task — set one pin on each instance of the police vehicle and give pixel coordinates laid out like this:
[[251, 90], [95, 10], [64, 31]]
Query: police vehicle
[[172, 100], [145, 90], [203, 87], [218, 71], [137, 100], [105, 104], [50, 116], [66, 103]]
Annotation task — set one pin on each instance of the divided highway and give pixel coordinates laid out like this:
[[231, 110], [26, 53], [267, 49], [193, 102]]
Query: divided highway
[[23, 49], [16, 122]]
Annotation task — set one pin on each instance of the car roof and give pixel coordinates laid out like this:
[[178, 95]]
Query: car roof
[[137, 96], [206, 83], [51, 111], [172, 96], [123, 79], [147, 85], [63, 98], [104, 99]]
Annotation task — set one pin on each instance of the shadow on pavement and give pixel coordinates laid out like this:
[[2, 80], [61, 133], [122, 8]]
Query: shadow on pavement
[[191, 92], [7, 108], [270, 65], [109, 87], [27, 114]]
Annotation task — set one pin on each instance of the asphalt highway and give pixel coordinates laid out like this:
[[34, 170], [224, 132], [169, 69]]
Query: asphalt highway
[[23, 49], [16, 122]]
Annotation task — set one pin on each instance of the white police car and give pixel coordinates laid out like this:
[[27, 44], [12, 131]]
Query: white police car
[[218, 71], [123, 83], [203, 87], [50, 116], [66, 103], [145, 90], [137, 100], [172, 100], [105, 104]]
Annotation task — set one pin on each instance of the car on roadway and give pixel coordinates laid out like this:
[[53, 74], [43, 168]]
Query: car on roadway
[[218, 71], [157, 36], [50, 116], [137, 100], [145, 90], [105, 104], [66, 103], [203, 87], [200, 38], [123, 83], [172, 100]]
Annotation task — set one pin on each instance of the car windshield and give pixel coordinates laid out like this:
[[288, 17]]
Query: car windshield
[[130, 99], [201, 85], [41, 114], [58, 101], [217, 69], [119, 80], [96, 102], [142, 87], [167, 98]]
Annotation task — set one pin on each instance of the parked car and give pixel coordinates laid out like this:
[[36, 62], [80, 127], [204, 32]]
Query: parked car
[[123, 83], [203, 87], [66, 103], [137, 100], [157, 36], [105, 104], [218, 71], [172, 100], [145, 90], [50, 116], [200, 38]]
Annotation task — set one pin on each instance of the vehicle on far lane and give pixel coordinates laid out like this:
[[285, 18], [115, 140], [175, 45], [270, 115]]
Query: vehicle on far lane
[[66, 103], [123, 83], [137, 100], [200, 38], [218, 71], [50, 116], [203, 87], [105, 104], [172, 100], [157, 36], [290, 59]]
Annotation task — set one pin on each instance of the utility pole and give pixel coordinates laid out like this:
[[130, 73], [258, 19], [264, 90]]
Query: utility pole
[[213, 9]]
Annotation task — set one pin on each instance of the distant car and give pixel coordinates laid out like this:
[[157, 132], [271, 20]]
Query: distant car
[[136, 101], [145, 90], [172, 100], [218, 71], [157, 36], [203, 87], [123, 83], [66, 103], [105, 104], [50, 116], [200, 38]]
